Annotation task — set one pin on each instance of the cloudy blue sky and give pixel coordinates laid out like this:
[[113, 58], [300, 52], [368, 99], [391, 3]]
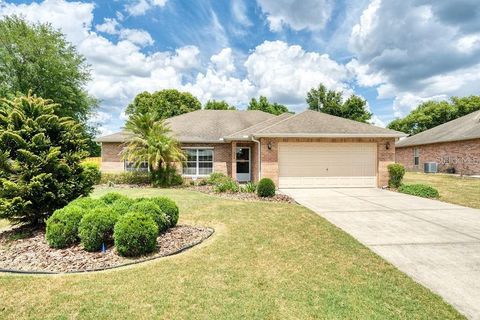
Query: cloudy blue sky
[[395, 54]]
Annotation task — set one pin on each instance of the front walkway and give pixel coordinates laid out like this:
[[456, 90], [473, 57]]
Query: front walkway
[[436, 243]]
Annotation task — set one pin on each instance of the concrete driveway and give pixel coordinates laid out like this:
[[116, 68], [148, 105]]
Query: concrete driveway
[[436, 243]]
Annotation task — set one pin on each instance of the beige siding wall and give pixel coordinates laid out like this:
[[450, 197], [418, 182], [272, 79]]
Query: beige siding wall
[[464, 156], [111, 159]]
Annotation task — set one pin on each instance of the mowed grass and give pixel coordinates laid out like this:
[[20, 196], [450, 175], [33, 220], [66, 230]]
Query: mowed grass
[[454, 189], [265, 261]]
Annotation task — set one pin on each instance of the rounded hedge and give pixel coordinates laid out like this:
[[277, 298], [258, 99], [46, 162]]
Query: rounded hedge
[[396, 171], [266, 188], [420, 190], [150, 208], [122, 206], [87, 203], [169, 207], [96, 227], [113, 197], [135, 234], [62, 227]]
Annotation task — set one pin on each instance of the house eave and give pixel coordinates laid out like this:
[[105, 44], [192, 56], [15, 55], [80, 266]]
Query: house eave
[[328, 135]]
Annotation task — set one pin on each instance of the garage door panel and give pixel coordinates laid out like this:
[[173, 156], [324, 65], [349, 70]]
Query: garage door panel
[[311, 165]]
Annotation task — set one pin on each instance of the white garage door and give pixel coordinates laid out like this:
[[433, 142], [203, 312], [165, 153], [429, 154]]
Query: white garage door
[[322, 165]]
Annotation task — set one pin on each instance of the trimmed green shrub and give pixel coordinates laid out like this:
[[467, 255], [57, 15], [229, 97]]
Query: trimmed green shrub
[[226, 186], [87, 203], [91, 173], [96, 227], [170, 208], [249, 187], [420, 190], [134, 177], [62, 227], [152, 209], [266, 188], [216, 178], [122, 206], [112, 197], [135, 234], [396, 171]]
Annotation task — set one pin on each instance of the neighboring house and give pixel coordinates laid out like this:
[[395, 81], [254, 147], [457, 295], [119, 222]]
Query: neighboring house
[[455, 144], [309, 149]]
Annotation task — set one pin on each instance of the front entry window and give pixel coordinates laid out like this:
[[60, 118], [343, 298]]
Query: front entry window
[[243, 164], [199, 162]]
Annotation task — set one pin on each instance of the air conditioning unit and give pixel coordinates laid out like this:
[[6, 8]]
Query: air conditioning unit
[[430, 167]]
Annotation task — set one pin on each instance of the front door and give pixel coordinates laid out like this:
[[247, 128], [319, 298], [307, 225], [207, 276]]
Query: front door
[[243, 164]]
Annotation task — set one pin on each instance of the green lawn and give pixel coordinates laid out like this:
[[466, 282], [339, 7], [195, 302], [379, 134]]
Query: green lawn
[[453, 189], [265, 261]]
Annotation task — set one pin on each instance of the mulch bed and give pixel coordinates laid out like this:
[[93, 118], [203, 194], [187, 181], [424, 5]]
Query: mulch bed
[[242, 195], [31, 253]]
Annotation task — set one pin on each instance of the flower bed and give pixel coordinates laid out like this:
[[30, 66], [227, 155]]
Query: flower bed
[[244, 196], [32, 253]]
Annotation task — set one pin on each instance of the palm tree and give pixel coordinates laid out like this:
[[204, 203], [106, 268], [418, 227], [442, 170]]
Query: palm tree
[[152, 142]]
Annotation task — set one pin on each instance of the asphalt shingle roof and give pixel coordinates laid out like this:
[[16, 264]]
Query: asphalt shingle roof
[[463, 128], [205, 126], [313, 123]]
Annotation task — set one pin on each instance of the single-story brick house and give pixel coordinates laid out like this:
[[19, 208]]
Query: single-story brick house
[[455, 144], [309, 149]]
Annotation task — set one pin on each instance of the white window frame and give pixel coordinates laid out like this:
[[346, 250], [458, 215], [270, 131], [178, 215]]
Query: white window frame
[[197, 167], [416, 157]]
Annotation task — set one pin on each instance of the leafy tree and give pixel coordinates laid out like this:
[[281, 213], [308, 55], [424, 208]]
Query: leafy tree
[[264, 105], [430, 114], [152, 142], [331, 102], [37, 57], [218, 105], [163, 104], [40, 160]]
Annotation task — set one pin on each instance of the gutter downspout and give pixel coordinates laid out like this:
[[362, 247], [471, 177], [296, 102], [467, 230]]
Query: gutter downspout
[[259, 157]]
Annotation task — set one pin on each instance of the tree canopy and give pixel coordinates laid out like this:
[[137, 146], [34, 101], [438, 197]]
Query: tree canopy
[[331, 102], [37, 57], [264, 105], [40, 160], [163, 104], [430, 114], [218, 105]]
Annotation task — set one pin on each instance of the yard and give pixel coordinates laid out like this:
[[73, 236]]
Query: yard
[[266, 260], [453, 189]]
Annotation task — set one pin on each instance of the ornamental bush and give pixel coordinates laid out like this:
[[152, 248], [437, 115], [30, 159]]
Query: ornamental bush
[[112, 197], [170, 208], [153, 210], [62, 227], [420, 190], [134, 177], [96, 227], [40, 160], [87, 203], [216, 178], [227, 185], [135, 234], [266, 188], [396, 171], [249, 187], [122, 206]]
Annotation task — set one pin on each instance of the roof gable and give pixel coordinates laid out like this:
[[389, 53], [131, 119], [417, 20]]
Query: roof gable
[[463, 128]]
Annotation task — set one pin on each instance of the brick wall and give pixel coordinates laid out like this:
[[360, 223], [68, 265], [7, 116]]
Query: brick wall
[[111, 151], [464, 156], [384, 156]]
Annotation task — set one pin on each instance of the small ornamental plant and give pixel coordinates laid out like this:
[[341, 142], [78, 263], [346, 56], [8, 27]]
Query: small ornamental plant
[[135, 234], [266, 188], [396, 171]]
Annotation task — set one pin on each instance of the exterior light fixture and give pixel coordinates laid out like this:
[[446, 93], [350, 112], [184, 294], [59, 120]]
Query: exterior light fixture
[[269, 146], [387, 145]]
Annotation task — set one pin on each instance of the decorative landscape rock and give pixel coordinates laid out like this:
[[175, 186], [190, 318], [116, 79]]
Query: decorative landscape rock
[[33, 254]]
